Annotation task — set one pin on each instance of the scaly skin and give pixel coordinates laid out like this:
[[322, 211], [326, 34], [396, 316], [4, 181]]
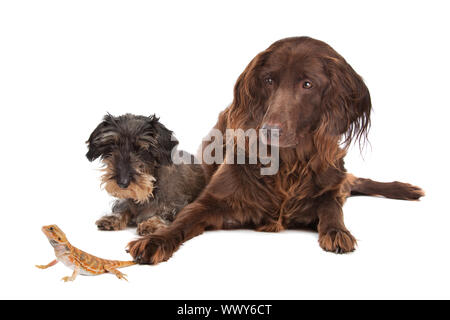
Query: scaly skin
[[80, 261]]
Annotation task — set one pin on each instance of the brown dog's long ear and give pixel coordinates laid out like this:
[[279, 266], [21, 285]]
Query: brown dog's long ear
[[346, 102], [248, 94]]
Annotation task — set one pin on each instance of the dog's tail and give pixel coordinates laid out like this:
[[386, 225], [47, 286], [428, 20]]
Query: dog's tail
[[392, 190]]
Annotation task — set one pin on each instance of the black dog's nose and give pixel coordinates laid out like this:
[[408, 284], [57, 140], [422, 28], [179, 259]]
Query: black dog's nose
[[123, 182], [272, 129]]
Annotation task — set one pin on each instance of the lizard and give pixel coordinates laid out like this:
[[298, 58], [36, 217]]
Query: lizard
[[81, 262]]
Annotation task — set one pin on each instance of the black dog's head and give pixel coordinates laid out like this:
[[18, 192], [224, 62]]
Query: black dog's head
[[131, 148]]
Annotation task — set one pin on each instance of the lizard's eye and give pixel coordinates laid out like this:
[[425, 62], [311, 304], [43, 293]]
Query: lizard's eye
[[59, 238], [51, 229]]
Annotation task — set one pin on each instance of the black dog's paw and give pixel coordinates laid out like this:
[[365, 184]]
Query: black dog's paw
[[109, 223], [151, 225]]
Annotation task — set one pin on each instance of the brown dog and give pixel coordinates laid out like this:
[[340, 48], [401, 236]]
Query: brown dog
[[307, 92]]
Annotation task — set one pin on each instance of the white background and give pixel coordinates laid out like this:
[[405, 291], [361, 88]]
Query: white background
[[63, 65]]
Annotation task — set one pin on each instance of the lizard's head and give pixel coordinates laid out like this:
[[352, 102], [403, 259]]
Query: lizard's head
[[55, 235]]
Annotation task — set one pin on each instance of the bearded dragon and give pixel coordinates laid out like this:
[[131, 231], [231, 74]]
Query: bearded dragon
[[80, 261]]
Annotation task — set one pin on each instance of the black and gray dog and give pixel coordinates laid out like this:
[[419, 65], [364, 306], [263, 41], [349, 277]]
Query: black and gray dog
[[139, 171]]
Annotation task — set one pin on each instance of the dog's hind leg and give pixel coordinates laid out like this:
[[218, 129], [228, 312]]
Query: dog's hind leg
[[392, 190]]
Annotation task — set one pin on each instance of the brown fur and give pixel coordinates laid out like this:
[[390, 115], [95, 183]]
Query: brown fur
[[140, 191], [317, 124]]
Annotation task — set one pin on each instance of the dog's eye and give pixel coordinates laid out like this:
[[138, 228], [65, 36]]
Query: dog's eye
[[307, 84], [268, 80]]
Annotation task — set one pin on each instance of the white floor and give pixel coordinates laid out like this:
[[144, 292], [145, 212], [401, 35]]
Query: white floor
[[402, 253]]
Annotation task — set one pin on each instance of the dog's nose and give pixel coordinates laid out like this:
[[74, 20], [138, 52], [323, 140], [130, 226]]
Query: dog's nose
[[272, 129], [123, 183]]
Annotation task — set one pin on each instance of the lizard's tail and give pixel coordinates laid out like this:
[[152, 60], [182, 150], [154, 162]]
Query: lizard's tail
[[392, 190]]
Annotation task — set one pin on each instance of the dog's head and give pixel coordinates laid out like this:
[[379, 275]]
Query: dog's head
[[131, 149], [300, 87]]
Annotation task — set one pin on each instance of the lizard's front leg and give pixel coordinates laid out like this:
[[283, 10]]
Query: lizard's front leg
[[51, 264], [76, 271]]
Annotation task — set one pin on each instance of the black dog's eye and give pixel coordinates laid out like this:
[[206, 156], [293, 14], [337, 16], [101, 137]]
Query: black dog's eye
[[268, 80], [307, 84]]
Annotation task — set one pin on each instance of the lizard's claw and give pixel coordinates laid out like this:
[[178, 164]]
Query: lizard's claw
[[67, 279], [123, 276], [120, 275], [117, 273]]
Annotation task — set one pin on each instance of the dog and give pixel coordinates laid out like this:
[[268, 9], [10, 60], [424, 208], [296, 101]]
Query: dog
[[308, 94], [139, 171]]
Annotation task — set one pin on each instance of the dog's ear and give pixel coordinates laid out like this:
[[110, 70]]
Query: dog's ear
[[166, 141], [346, 102], [101, 139], [248, 94]]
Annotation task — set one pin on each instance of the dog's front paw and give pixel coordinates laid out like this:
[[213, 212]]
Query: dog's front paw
[[109, 223], [337, 241], [151, 226], [151, 250]]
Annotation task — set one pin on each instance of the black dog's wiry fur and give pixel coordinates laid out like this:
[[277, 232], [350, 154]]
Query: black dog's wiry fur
[[151, 190]]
